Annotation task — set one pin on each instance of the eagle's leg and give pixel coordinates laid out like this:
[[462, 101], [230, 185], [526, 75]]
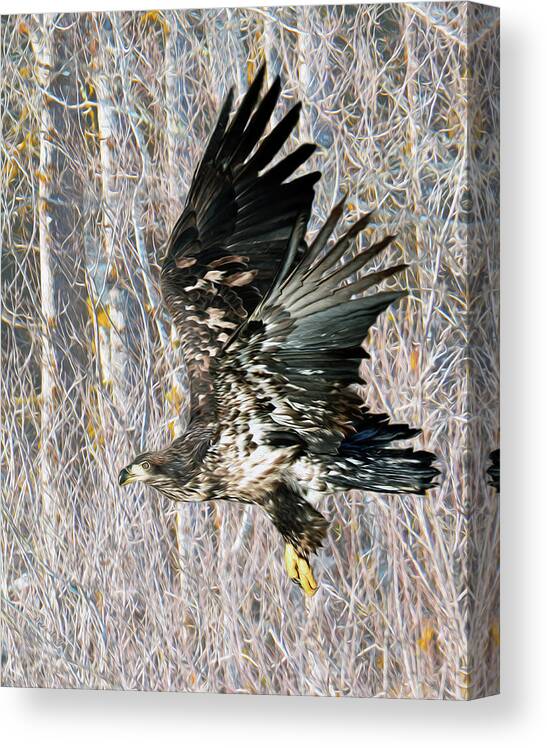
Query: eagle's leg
[[303, 529]]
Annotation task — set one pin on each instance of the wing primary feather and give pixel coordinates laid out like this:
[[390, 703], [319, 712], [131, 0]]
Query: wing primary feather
[[339, 249], [324, 233], [295, 242], [273, 142], [257, 125], [215, 140], [290, 164], [359, 261], [291, 197], [239, 122], [325, 296], [371, 279]]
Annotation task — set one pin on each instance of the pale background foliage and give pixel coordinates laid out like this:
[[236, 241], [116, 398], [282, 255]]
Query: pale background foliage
[[104, 117]]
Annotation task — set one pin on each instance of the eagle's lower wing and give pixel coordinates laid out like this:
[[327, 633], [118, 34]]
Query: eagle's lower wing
[[226, 248], [290, 369]]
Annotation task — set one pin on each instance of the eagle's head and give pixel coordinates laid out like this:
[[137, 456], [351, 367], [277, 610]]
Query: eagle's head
[[169, 470], [145, 467]]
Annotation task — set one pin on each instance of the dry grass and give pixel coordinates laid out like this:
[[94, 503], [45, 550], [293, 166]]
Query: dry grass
[[104, 117]]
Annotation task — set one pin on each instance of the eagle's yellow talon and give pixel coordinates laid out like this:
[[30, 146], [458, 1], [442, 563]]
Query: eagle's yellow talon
[[306, 578], [299, 570], [291, 560]]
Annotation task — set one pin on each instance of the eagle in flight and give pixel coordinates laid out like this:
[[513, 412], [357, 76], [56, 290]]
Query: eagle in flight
[[271, 328]]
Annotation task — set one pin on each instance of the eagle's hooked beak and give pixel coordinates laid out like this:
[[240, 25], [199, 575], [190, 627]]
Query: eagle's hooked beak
[[125, 476], [134, 472]]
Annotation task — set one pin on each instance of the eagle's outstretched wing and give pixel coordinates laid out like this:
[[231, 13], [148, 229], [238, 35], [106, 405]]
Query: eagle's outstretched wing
[[289, 370], [226, 248]]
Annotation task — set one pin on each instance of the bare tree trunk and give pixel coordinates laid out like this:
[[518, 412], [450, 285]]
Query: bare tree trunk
[[63, 358], [63, 334], [172, 61], [109, 299], [173, 83], [41, 41], [173, 95]]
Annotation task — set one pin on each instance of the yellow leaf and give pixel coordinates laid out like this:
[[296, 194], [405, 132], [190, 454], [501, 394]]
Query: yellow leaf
[[41, 176], [453, 124], [175, 397], [426, 639], [12, 170], [414, 356], [97, 439], [27, 142], [155, 16], [150, 17], [103, 320], [250, 72]]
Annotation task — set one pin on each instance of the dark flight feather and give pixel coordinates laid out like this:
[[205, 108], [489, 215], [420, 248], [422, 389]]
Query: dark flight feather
[[231, 238]]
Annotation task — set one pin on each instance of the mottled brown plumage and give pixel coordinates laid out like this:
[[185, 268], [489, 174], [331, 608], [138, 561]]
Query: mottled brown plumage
[[272, 332]]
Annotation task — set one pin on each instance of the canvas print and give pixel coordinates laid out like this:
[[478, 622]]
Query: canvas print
[[250, 281]]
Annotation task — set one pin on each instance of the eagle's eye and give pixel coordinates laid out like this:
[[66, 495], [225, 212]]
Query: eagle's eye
[[145, 465]]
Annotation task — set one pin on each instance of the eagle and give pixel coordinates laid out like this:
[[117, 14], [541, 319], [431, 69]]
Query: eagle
[[271, 328]]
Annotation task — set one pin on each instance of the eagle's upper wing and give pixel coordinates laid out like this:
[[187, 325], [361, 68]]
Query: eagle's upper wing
[[289, 370], [226, 248]]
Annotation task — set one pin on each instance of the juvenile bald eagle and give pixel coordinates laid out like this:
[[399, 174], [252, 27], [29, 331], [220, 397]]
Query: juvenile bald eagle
[[272, 329]]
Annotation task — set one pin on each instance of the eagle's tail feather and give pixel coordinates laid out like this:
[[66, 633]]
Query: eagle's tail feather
[[384, 470], [368, 461], [375, 430]]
